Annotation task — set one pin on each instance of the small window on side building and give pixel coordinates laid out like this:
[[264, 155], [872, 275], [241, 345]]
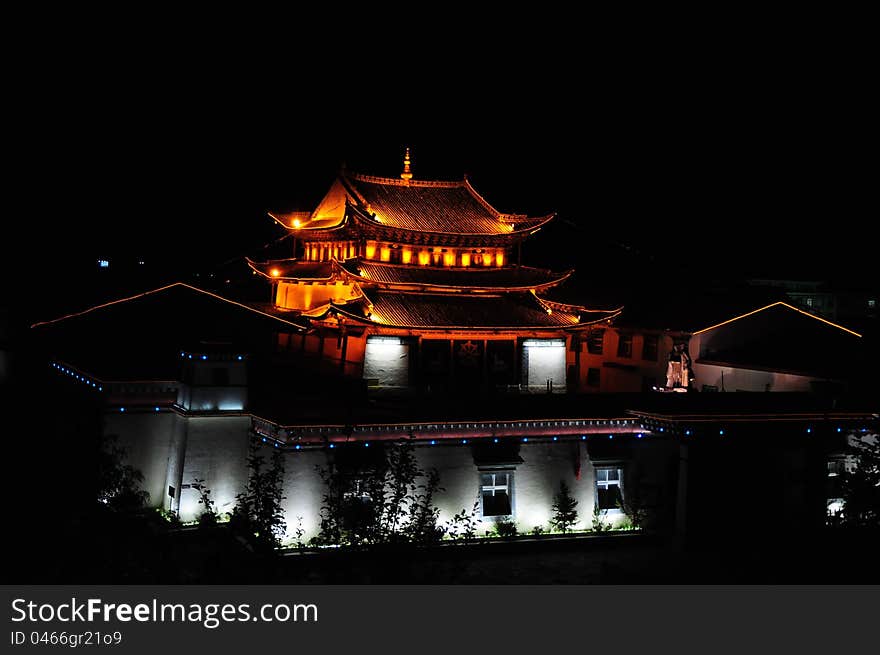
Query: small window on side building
[[595, 341], [609, 488], [649, 347], [496, 493]]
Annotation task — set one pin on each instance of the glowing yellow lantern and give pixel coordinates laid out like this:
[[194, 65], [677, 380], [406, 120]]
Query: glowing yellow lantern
[[274, 272]]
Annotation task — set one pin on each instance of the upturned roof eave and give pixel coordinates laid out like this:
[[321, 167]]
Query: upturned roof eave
[[452, 288]]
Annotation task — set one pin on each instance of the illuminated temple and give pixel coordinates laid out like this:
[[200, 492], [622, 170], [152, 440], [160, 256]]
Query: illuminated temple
[[405, 313], [420, 283]]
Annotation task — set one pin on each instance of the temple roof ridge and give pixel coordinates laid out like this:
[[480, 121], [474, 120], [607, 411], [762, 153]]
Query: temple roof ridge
[[431, 310], [396, 181], [380, 205], [503, 280]]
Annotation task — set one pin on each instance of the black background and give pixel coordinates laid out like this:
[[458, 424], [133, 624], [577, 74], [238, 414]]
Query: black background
[[671, 154], [747, 156]]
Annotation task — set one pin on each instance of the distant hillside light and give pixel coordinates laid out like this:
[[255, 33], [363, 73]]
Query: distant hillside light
[[103, 263]]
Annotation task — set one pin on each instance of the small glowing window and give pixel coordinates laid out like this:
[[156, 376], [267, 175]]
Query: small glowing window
[[609, 488], [358, 491], [650, 347], [385, 340], [496, 493], [595, 341], [836, 467], [544, 343]]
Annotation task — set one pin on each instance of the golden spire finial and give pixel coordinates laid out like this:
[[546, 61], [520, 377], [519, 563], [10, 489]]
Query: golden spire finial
[[407, 173]]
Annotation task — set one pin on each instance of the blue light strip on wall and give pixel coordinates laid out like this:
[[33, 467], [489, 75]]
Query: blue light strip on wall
[[95, 384]]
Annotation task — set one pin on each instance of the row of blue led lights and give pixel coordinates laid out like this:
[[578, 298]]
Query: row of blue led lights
[[721, 431], [434, 442], [77, 376], [583, 437], [500, 425], [202, 356]]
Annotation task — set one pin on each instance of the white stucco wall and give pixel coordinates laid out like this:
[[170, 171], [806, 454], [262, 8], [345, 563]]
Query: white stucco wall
[[387, 362], [146, 437], [743, 379], [216, 451], [304, 491], [173, 449], [545, 362]]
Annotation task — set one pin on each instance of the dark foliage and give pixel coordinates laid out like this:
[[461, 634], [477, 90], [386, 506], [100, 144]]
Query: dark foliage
[[258, 514], [505, 529], [463, 525], [208, 517], [118, 483], [565, 512], [861, 484], [599, 524], [385, 501]]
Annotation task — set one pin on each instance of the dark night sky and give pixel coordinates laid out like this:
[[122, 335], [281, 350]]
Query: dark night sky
[[718, 167]]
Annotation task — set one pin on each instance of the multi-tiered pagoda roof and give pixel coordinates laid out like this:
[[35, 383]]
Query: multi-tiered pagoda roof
[[412, 211], [399, 252]]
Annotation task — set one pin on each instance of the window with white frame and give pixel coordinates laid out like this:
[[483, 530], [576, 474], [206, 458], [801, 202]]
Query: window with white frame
[[496, 493], [836, 467], [609, 488], [833, 490], [357, 491]]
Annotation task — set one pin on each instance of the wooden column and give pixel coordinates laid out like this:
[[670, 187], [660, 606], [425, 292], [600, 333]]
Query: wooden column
[[344, 351], [485, 383], [451, 363], [517, 374]]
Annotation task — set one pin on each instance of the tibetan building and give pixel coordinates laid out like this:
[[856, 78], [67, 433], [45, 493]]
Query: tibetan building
[[420, 284]]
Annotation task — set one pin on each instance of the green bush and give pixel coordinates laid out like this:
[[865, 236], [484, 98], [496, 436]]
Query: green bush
[[505, 529]]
